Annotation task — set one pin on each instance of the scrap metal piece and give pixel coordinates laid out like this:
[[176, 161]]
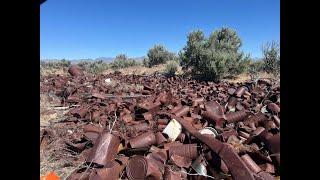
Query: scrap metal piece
[[231, 91], [235, 164], [183, 111], [274, 143], [105, 149], [137, 168], [240, 91], [163, 121], [98, 95], [143, 140], [258, 131], [232, 102], [141, 127], [160, 138], [226, 134], [80, 112], [185, 150], [235, 116], [171, 175], [218, 120], [147, 116], [209, 131], [244, 134], [264, 176], [276, 120], [274, 108], [181, 161], [91, 132], [110, 171], [250, 163], [224, 167], [173, 129], [270, 125], [75, 70], [267, 167], [199, 166]]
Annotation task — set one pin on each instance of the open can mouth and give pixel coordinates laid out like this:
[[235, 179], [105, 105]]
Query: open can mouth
[[209, 131]]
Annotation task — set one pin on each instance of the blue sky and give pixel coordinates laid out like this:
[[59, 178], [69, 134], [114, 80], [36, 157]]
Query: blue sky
[[77, 29]]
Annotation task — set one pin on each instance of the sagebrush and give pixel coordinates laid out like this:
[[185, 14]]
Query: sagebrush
[[215, 57], [122, 61], [271, 57], [95, 67], [158, 55], [171, 68]]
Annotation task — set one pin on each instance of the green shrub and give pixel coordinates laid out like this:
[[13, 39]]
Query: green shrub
[[271, 57], [55, 64], [122, 61], [216, 57], [145, 62], [257, 65], [158, 55], [64, 63], [171, 68], [95, 67]]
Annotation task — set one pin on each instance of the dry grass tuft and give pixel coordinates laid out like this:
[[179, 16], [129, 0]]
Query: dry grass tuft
[[47, 112], [54, 71], [246, 77], [55, 156]]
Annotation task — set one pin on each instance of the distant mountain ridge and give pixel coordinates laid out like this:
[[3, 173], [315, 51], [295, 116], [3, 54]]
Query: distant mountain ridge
[[104, 59]]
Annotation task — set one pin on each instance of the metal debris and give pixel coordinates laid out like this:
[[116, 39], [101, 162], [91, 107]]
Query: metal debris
[[166, 128], [173, 129]]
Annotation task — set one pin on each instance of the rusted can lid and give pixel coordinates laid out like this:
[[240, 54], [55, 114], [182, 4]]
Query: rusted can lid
[[137, 168]]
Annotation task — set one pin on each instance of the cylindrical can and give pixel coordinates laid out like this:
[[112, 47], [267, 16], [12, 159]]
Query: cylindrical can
[[110, 171], [224, 167], [250, 163], [75, 70], [181, 137], [239, 92], [232, 102], [276, 120], [143, 140], [163, 121], [186, 150], [244, 134], [171, 175], [258, 131], [236, 116], [217, 119], [274, 107], [81, 112], [160, 138], [274, 143], [105, 148], [231, 91], [269, 125], [141, 127], [147, 116], [137, 168], [183, 111], [161, 127]]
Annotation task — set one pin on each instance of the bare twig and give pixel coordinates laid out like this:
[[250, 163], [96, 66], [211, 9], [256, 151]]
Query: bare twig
[[86, 170], [194, 174], [76, 168], [129, 96], [115, 119], [265, 97], [121, 174]]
